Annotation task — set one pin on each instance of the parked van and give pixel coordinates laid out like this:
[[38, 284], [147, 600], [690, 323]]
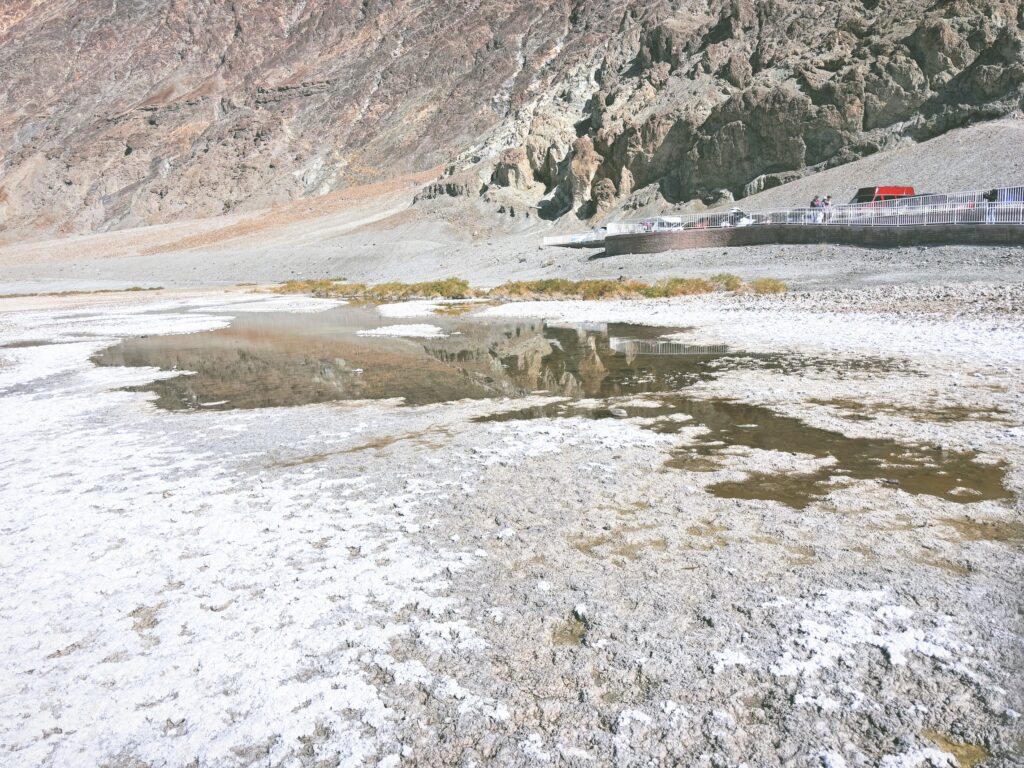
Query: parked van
[[878, 194]]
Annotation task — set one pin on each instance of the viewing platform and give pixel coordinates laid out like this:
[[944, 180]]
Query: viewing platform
[[992, 217]]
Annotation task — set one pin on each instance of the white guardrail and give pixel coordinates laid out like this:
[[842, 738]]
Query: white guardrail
[[998, 206]]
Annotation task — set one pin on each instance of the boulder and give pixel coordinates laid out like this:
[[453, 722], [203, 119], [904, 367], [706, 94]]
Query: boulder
[[582, 170], [513, 169]]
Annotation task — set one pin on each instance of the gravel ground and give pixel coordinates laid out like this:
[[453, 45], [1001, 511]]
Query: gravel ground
[[980, 156], [951, 301], [486, 264]]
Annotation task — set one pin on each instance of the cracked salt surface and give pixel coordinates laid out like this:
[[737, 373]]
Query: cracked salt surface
[[159, 600], [856, 618], [240, 588]]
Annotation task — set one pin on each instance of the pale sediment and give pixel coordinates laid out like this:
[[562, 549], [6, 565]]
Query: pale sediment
[[368, 582]]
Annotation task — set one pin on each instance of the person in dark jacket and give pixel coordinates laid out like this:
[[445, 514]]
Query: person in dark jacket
[[992, 196]]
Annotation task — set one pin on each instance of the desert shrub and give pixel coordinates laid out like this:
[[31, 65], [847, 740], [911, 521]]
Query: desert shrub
[[349, 290], [550, 288], [389, 291], [684, 286], [449, 288], [727, 281], [527, 289], [608, 289], [318, 288], [767, 285]]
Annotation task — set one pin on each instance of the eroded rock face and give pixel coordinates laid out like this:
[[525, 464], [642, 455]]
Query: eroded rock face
[[745, 94], [115, 114], [513, 169], [120, 114]]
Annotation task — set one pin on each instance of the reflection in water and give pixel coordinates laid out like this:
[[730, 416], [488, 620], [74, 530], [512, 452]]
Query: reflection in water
[[573, 361], [633, 347], [283, 359], [288, 359]]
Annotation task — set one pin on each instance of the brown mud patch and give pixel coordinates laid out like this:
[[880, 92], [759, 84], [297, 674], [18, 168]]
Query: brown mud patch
[[570, 632], [433, 437], [970, 529], [617, 546], [967, 755]]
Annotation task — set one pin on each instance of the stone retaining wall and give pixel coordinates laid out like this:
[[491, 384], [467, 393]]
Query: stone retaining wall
[[804, 234]]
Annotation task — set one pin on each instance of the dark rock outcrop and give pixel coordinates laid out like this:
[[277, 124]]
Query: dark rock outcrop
[[746, 94]]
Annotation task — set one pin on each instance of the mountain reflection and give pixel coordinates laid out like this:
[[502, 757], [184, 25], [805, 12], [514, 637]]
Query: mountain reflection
[[267, 360]]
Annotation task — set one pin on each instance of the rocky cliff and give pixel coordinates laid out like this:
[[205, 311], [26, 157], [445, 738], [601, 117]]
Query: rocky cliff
[[718, 100], [128, 113], [123, 113]]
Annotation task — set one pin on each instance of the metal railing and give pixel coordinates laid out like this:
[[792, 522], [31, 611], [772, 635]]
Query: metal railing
[[863, 215], [583, 239], [634, 347], [978, 196], [998, 206]]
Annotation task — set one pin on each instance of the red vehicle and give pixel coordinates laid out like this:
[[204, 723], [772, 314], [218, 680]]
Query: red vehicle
[[878, 194]]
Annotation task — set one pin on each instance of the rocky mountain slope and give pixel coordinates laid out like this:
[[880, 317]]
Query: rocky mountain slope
[[720, 100], [128, 113], [122, 114]]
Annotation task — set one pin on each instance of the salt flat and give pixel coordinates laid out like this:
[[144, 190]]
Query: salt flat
[[363, 582]]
